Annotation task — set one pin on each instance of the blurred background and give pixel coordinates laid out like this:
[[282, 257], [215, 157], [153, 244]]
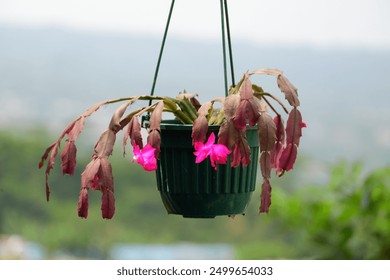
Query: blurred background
[[59, 57]]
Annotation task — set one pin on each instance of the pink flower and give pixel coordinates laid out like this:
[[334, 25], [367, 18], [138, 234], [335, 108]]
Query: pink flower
[[217, 152], [145, 157]]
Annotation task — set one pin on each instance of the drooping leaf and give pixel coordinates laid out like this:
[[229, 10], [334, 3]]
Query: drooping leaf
[[265, 197], [107, 188], [248, 109], [117, 116], [200, 127], [289, 90], [267, 132], [294, 127], [69, 153], [108, 204], [83, 203], [280, 141], [89, 177], [105, 175], [156, 117], [287, 159], [105, 145], [230, 105], [154, 139], [134, 132], [68, 158], [265, 164]]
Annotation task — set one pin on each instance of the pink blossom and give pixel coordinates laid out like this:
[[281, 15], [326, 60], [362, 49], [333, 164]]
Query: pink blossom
[[217, 152], [145, 157]]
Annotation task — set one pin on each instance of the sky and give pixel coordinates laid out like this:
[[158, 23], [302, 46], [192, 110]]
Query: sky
[[320, 23]]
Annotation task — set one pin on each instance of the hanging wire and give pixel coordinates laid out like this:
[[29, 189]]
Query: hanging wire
[[161, 50], [229, 43], [224, 48], [224, 18]]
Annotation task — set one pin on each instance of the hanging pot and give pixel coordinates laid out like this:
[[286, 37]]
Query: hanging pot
[[198, 190]]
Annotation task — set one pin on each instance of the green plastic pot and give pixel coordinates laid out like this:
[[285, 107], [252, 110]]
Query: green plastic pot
[[198, 190]]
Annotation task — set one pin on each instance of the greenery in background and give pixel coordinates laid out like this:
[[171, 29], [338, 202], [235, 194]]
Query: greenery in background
[[346, 218]]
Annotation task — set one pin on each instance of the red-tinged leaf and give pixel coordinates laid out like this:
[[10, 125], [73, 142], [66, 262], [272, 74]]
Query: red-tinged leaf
[[287, 159], [108, 204], [265, 197], [76, 129], [200, 127], [241, 153], [280, 141], [68, 158], [289, 90], [105, 145], [265, 164], [156, 117], [230, 105], [248, 109], [89, 177], [246, 91], [236, 156], [134, 132], [240, 117], [83, 203], [235, 140], [154, 139], [280, 133], [267, 132], [245, 151], [116, 117], [106, 180], [53, 150], [228, 134], [294, 127], [276, 154]]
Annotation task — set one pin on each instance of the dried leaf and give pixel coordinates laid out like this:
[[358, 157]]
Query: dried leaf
[[265, 197], [266, 71], [289, 90]]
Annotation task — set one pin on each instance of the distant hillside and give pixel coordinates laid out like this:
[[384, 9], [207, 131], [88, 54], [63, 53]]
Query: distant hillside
[[51, 75]]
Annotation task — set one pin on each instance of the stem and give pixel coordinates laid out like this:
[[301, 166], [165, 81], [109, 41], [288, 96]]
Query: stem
[[263, 94]]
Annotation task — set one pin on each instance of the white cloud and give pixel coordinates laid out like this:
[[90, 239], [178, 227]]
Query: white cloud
[[347, 23]]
